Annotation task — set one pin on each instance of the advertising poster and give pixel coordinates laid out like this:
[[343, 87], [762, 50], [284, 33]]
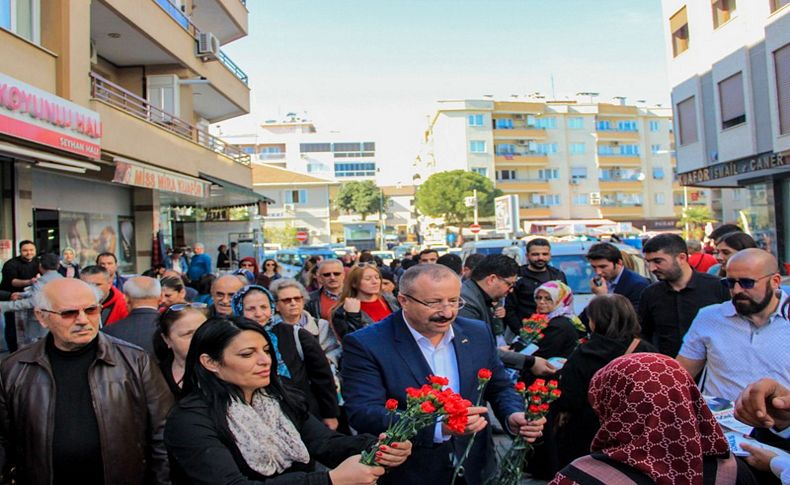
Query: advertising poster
[[89, 235]]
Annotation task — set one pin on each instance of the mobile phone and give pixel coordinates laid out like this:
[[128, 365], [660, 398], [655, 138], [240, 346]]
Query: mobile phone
[[597, 281]]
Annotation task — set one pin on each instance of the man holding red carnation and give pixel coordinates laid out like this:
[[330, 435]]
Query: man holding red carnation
[[392, 360]]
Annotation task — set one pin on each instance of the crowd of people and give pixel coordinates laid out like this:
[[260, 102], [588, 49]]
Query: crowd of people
[[202, 373]]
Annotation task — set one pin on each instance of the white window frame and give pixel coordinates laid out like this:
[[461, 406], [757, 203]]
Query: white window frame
[[472, 120], [576, 123], [660, 198], [301, 195], [574, 148], [476, 143], [168, 90], [35, 13]]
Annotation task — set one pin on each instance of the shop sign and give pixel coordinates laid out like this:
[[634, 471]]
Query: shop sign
[[151, 178], [743, 166], [38, 116]]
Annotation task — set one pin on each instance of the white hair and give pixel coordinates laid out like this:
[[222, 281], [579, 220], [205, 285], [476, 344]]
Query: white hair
[[42, 301], [142, 288], [284, 283], [198, 245]]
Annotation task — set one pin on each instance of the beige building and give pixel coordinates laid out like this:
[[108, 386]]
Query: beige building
[[566, 160], [105, 110]]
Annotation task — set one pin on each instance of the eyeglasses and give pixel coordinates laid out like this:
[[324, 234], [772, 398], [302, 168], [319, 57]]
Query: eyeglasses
[[293, 299], [73, 314], [336, 274], [438, 306], [746, 283], [270, 264], [510, 284], [179, 307]]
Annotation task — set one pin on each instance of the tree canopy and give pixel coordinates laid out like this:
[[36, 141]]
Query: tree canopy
[[443, 194], [363, 198]]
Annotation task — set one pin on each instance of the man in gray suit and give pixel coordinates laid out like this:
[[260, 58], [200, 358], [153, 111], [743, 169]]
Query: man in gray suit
[[143, 295]]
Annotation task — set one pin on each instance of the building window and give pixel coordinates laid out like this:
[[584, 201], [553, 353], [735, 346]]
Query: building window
[[249, 150], [546, 148], [578, 173], [546, 200], [655, 126], [22, 17], [355, 169], [654, 149], [296, 196], [506, 175], [505, 149], [679, 26], [604, 125], [477, 146], [723, 11], [687, 120], [549, 174], [504, 124], [316, 167], [315, 147], [660, 198], [605, 150], [480, 171], [733, 111], [782, 65], [629, 150], [777, 4], [475, 120], [658, 173], [576, 123], [577, 148], [546, 123], [627, 126], [581, 199]]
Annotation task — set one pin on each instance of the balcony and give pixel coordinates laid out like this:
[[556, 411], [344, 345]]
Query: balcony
[[617, 135], [519, 107], [533, 211], [620, 210], [133, 105], [226, 19], [520, 133], [523, 185], [521, 159], [619, 160]]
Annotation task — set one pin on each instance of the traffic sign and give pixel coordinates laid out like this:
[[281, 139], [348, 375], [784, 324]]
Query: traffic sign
[[475, 228], [301, 236]]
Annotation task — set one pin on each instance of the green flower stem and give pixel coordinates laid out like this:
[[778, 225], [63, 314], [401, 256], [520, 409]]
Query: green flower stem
[[481, 386]]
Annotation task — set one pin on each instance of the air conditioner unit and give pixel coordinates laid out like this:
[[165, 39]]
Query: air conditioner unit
[[207, 46], [290, 208], [615, 143], [94, 54], [595, 198]]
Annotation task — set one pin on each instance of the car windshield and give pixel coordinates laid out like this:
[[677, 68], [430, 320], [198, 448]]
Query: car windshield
[[487, 251], [305, 256], [577, 271]]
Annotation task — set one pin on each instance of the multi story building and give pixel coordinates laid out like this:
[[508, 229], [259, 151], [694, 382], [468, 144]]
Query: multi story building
[[729, 68], [296, 144], [104, 140], [566, 160]]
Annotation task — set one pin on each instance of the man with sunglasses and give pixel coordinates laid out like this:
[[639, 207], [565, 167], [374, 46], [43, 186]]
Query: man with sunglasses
[[427, 337], [742, 340], [331, 275], [79, 406], [222, 291]]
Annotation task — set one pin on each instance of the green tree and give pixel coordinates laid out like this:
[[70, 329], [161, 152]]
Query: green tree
[[442, 195], [362, 198], [696, 217], [285, 235]]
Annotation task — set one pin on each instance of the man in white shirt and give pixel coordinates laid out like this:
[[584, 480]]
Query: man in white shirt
[[739, 341]]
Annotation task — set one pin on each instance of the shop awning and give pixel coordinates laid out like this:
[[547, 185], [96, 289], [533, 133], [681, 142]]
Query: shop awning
[[227, 194]]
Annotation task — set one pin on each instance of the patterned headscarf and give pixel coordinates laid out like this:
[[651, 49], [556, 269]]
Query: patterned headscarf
[[654, 418], [562, 296], [237, 303]]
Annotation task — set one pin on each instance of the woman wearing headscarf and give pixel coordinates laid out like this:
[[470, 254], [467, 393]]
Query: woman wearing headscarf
[[68, 267], [655, 428], [554, 299]]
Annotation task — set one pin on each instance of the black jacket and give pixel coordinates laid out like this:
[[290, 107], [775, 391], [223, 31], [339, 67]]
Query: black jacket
[[344, 322], [200, 454], [17, 268], [520, 303], [631, 286], [313, 306], [138, 328], [311, 375]]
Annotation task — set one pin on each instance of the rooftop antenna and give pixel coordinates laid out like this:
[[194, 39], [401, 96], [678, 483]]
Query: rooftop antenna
[[553, 94]]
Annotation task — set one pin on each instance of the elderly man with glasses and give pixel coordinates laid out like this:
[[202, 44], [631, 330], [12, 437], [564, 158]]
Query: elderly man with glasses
[[331, 275], [740, 341], [79, 406], [427, 337]]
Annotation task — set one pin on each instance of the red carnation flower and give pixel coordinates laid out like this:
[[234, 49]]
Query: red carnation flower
[[438, 380], [484, 375], [520, 387], [555, 393], [553, 384], [391, 404], [413, 392], [534, 409], [428, 407], [539, 382]]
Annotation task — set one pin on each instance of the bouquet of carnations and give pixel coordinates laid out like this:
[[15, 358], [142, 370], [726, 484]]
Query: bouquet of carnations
[[424, 407], [537, 398], [531, 332]]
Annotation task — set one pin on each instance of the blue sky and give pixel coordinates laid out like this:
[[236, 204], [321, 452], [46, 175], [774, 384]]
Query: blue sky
[[377, 67]]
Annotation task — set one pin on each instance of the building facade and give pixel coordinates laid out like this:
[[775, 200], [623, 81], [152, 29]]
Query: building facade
[[566, 160], [104, 142], [729, 68]]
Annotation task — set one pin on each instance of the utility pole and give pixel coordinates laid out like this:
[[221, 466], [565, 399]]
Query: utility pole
[[382, 245], [477, 234]]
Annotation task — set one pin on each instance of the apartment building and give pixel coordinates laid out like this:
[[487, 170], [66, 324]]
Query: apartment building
[[566, 160], [296, 144], [104, 142], [729, 68]]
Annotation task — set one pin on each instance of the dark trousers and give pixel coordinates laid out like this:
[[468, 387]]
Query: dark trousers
[[10, 332]]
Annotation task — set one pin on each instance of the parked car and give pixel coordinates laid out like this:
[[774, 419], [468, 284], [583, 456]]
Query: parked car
[[292, 260], [386, 256]]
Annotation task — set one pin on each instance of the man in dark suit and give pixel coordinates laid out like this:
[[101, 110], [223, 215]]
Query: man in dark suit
[[426, 337], [611, 276], [138, 328]]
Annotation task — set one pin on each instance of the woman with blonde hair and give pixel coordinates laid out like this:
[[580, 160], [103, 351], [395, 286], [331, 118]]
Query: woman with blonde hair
[[362, 301]]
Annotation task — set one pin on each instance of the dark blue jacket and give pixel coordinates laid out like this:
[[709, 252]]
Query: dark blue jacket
[[631, 286], [380, 361]]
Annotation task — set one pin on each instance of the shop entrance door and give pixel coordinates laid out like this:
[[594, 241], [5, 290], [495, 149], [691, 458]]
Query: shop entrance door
[[46, 230]]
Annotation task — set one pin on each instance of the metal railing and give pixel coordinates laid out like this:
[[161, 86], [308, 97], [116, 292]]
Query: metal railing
[[182, 19], [118, 97]]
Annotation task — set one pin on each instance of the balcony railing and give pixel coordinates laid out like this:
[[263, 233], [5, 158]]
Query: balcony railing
[[533, 206], [619, 203], [525, 153], [126, 101], [271, 156], [185, 22]]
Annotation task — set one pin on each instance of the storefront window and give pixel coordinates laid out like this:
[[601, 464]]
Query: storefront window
[[760, 216]]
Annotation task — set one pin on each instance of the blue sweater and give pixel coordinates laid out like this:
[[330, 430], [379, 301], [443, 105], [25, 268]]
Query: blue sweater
[[200, 265]]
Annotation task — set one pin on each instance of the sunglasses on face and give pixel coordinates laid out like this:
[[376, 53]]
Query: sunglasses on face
[[73, 314], [746, 283], [293, 299], [332, 273]]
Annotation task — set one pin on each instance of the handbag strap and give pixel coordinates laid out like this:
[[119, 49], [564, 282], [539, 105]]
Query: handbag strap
[[633, 346]]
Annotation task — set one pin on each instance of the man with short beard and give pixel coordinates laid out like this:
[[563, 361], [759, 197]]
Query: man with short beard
[[740, 341], [330, 276], [667, 307]]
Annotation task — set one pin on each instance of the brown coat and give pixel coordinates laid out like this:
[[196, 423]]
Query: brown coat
[[131, 402]]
